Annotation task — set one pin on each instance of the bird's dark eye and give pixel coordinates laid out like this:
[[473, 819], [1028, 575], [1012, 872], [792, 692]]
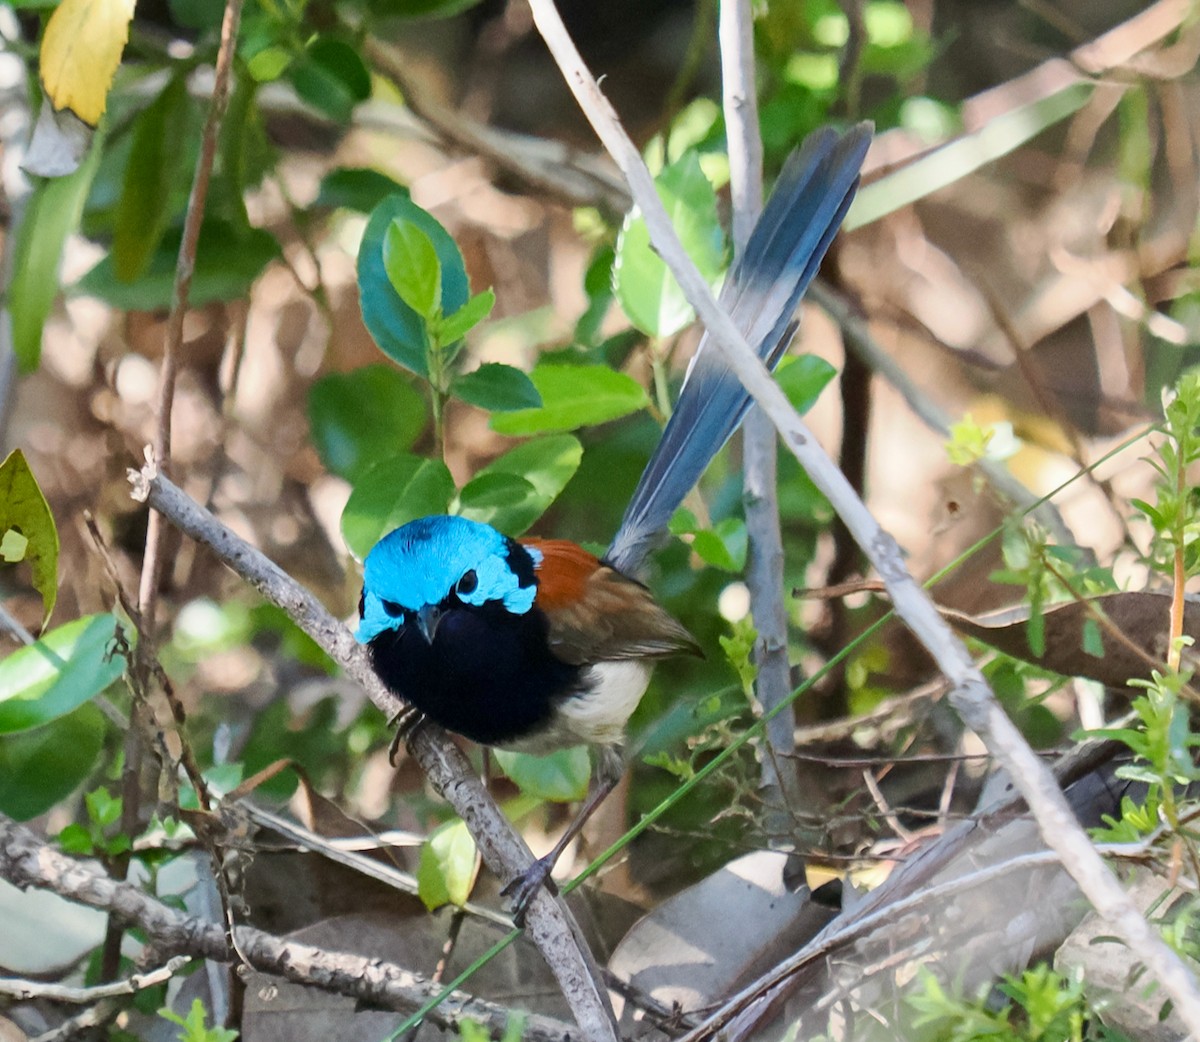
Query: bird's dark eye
[[393, 609], [467, 584]]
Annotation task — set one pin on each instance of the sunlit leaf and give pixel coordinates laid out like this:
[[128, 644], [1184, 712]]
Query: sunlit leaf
[[574, 396], [646, 289], [51, 677], [456, 326], [512, 492], [399, 331], [413, 267], [561, 776], [51, 214], [391, 493], [25, 512], [80, 52], [803, 378], [448, 867]]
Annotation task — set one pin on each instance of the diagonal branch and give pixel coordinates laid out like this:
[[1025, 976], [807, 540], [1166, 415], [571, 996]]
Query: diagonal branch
[[971, 696], [549, 924]]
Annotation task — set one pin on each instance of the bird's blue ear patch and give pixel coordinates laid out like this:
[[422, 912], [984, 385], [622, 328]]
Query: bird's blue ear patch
[[424, 562]]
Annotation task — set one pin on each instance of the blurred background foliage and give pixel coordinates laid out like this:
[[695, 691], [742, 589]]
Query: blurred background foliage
[[1035, 275]]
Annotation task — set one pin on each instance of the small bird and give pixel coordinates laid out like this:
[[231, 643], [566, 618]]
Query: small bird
[[536, 644]]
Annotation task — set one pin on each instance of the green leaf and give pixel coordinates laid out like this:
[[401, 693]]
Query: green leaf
[[391, 493], [497, 388], [455, 327], [103, 807], [647, 291], [546, 463], [151, 176], [562, 776], [51, 214], [357, 188], [512, 492], [448, 867], [413, 267], [422, 8], [724, 545], [228, 260], [25, 512], [58, 673], [42, 766], [597, 284], [504, 501], [197, 14], [802, 378], [332, 78], [361, 417], [574, 396], [269, 64], [397, 330]]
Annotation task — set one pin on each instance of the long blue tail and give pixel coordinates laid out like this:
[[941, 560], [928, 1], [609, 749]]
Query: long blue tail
[[761, 293]]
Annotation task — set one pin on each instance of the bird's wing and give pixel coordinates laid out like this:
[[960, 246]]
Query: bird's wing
[[596, 614], [761, 292]]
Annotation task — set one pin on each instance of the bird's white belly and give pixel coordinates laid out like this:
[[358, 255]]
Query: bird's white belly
[[612, 691]]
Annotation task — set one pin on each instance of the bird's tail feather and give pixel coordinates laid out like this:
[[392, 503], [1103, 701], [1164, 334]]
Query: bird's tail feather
[[761, 293]]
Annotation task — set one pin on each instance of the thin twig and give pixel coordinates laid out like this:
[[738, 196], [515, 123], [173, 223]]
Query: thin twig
[[549, 924], [764, 563], [970, 693], [25, 860], [146, 649], [12, 625], [553, 168], [25, 990]]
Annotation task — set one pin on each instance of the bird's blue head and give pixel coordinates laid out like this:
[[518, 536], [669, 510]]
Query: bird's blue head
[[424, 568]]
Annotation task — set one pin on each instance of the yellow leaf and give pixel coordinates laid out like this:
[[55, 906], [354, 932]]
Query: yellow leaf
[[80, 54]]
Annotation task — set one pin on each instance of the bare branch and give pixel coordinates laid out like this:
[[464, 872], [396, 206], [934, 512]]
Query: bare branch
[[970, 694], [25, 860], [24, 990]]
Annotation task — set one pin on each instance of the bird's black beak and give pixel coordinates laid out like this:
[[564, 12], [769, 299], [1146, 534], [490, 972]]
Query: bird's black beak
[[428, 618]]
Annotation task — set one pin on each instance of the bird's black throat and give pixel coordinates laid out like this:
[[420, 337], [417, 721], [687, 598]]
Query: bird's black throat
[[489, 674]]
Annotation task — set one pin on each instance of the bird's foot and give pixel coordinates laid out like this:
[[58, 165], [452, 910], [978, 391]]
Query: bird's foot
[[525, 886], [406, 721]]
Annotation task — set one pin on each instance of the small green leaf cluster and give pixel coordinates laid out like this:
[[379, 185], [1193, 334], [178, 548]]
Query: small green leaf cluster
[[1042, 1006], [1048, 573], [1175, 515], [1162, 745], [1163, 739], [194, 1026], [473, 1031], [970, 442], [97, 836]]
